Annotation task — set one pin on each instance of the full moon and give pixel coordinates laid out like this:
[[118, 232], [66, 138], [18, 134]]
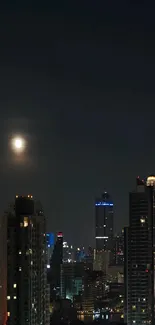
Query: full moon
[[18, 144]]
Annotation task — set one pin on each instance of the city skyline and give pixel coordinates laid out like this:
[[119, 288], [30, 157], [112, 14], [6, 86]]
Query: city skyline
[[77, 81], [97, 202]]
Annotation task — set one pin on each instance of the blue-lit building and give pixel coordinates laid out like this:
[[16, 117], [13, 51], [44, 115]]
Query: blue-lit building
[[104, 223], [50, 246]]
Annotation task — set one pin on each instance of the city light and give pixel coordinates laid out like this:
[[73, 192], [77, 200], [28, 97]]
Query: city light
[[104, 204], [104, 237]]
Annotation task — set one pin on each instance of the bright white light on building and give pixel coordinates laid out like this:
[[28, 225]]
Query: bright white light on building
[[48, 266], [150, 181], [104, 237]]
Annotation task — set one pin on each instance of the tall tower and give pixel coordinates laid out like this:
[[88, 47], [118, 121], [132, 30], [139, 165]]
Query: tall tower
[[50, 246], [56, 268], [26, 263], [139, 255], [104, 222]]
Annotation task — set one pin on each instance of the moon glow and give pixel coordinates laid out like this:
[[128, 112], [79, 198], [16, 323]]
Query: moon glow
[[18, 144]]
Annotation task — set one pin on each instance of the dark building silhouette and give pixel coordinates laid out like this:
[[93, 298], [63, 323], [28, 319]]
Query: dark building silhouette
[[117, 257], [94, 287], [26, 263], [104, 222], [139, 255], [55, 273]]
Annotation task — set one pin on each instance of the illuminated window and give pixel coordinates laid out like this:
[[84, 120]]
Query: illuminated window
[[8, 313], [31, 262], [20, 252], [20, 268], [21, 225], [14, 297], [142, 220], [26, 221], [8, 297], [134, 307], [15, 285]]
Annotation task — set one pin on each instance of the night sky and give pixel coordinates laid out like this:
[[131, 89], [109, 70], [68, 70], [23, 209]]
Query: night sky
[[77, 80]]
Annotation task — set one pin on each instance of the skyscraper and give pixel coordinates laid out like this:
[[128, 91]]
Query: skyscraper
[[139, 256], [104, 222], [118, 249], [26, 263], [50, 246], [56, 268]]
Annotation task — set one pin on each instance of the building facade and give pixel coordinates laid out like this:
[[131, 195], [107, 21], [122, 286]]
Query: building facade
[[26, 263], [139, 256], [55, 271], [104, 223]]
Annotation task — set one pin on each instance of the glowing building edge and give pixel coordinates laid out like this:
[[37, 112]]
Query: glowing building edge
[[104, 204], [98, 237]]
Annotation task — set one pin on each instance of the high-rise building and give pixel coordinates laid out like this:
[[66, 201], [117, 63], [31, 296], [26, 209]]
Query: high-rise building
[[3, 272], [55, 273], [94, 284], [50, 246], [26, 263], [68, 253], [117, 257], [139, 255], [104, 222]]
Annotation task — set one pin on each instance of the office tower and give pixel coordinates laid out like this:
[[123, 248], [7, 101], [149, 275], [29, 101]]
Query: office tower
[[94, 288], [139, 255], [50, 246], [3, 272], [68, 253], [68, 286], [26, 263], [118, 249], [72, 279], [104, 222], [56, 268]]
